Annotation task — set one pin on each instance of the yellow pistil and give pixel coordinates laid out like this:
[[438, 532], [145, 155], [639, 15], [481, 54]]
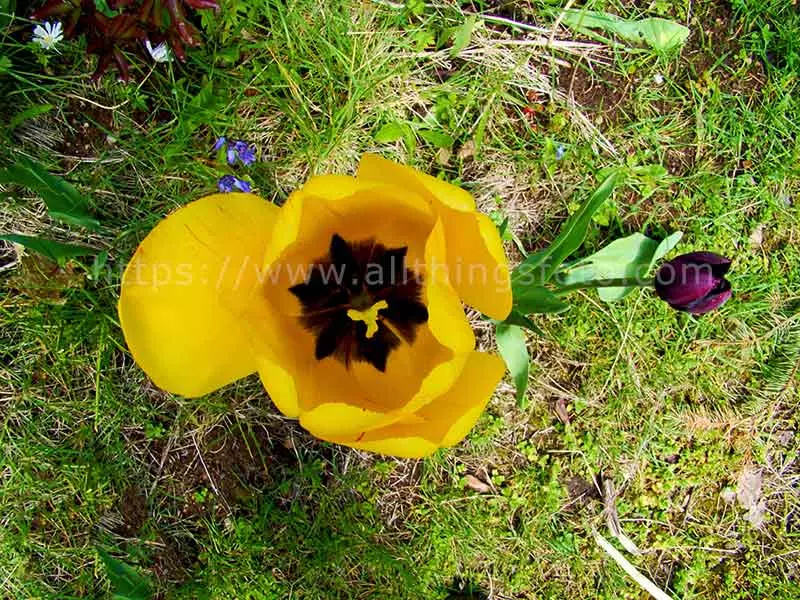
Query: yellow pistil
[[369, 316]]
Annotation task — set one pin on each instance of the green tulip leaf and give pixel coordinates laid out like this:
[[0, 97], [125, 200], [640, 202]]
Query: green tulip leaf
[[667, 244], [660, 34], [517, 318], [512, 347], [63, 201], [572, 234], [55, 251], [631, 257], [126, 582], [542, 265], [537, 299]]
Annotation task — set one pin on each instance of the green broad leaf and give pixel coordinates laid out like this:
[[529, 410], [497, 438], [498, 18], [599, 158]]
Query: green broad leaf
[[28, 114], [410, 141], [126, 582], [667, 244], [540, 266], [517, 318], [502, 226], [531, 270], [391, 132], [55, 251], [573, 232], [436, 138], [512, 347], [462, 35], [631, 257], [654, 172], [201, 109], [660, 34], [63, 201], [103, 7], [537, 299]]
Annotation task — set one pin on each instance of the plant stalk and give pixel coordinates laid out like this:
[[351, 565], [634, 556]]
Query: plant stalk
[[603, 283]]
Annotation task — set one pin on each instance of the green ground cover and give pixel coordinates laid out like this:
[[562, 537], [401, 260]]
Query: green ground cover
[[681, 432]]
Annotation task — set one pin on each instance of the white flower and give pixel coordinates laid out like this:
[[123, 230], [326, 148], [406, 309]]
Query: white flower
[[160, 53], [658, 78], [49, 35]]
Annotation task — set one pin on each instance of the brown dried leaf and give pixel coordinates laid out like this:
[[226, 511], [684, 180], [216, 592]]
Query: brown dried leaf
[[467, 150], [562, 412], [748, 492], [757, 237], [476, 484]]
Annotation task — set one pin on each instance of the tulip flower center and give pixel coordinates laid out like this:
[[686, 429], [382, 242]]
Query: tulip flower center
[[369, 316], [361, 302]]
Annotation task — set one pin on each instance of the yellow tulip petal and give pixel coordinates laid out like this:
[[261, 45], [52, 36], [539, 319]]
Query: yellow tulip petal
[[475, 257], [321, 190], [374, 168], [438, 380], [467, 398], [333, 420], [403, 447], [446, 317], [280, 386], [352, 208], [446, 420], [477, 262], [187, 288]]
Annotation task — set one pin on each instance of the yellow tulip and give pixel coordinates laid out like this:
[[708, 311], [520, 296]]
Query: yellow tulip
[[347, 301]]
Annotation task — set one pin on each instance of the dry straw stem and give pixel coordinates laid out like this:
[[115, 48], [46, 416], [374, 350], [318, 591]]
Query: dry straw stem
[[643, 582]]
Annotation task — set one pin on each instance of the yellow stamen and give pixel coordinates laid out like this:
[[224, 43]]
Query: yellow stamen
[[369, 316]]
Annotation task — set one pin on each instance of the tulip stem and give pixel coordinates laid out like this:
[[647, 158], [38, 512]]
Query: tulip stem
[[604, 283]]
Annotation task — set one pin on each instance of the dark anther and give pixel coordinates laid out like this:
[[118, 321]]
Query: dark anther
[[356, 276]]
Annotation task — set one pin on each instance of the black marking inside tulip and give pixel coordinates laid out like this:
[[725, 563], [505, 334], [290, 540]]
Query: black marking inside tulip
[[357, 276]]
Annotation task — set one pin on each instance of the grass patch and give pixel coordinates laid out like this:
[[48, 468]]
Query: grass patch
[[634, 410]]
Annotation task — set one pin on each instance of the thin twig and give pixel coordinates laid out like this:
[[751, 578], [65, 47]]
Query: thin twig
[[208, 475]]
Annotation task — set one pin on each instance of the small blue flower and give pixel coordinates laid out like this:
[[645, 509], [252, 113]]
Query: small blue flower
[[242, 185], [236, 150], [246, 153], [231, 155], [226, 183], [560, 152], [219, 143]]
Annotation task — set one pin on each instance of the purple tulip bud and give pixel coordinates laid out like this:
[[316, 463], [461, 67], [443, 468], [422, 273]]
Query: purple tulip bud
[[694, 282]]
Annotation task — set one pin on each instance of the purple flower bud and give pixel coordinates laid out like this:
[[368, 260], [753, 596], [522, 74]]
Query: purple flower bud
[[694, 282], [230, 155], [219, 143], [226, 183], [242, 185], [246, 153]]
